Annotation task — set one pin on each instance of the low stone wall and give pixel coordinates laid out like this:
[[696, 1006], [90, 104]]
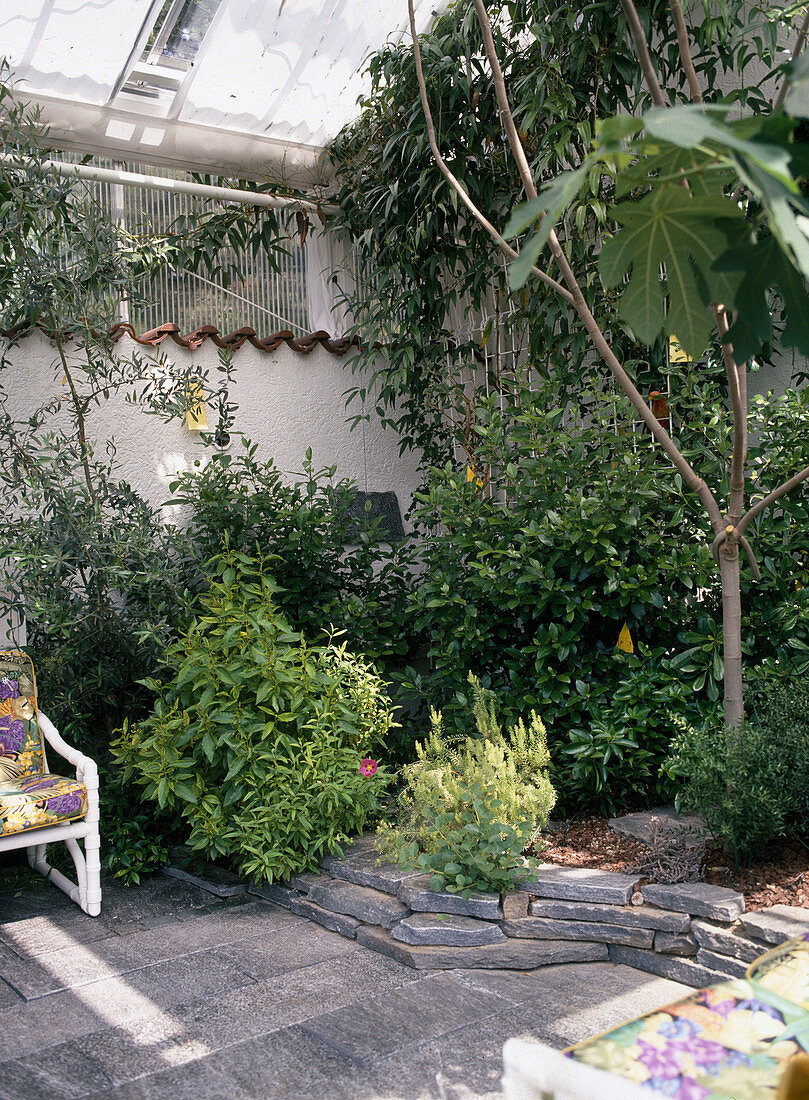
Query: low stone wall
[[693, 933]]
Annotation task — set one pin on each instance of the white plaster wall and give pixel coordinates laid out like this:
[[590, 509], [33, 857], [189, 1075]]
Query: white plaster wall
[[286, 402]]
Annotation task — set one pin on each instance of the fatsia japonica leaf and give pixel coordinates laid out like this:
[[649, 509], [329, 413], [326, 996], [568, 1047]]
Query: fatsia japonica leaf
[[763, 265], [691, 126], [682, 234]]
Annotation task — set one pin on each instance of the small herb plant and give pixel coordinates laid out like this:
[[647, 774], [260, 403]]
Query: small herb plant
[[257, 740], [469, 808]]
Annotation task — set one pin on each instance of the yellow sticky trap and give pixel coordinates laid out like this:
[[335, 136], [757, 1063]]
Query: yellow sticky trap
[[625, 643], [196, 417], [676, 352], [472, 475]]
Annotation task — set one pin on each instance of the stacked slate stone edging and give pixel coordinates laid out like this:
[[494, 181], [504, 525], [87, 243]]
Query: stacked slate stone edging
[[693, 933]]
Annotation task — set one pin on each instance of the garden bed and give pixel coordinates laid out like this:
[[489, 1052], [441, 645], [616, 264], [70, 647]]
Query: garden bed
[[780, 877]]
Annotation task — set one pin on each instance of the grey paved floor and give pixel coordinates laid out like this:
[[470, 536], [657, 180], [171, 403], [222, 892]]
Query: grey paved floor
[[174, 993]]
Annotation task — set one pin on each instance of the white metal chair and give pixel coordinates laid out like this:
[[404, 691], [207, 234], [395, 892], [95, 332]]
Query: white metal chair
[[533, 1071], [38, 808]]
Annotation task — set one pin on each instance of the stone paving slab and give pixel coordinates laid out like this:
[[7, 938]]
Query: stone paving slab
[[581, 884], [416, 894], [700, 899], [513, 954], [200, 1020], [215, 880], [9, 998], [636, 826], [362, 865], [291, 948], [80, 964], [540, 928], [338, 922], [421, 1010], [773, 926], [448, 930], [725, 942], [731, 968], [362, 902], [629, 916], [679, 970]]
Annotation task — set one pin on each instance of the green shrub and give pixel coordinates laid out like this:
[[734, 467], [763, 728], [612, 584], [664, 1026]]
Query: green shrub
[[615, 760], [333, 569], [256, 740], [739, 780], [468, 809], [134, 838]]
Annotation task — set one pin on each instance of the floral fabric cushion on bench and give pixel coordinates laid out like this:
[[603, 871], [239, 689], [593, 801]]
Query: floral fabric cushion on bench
[[785, 970], [29, 797], [730, 1041], [22, 751]]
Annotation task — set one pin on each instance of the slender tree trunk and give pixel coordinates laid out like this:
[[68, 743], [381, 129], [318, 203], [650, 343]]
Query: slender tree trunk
[[732, 631]]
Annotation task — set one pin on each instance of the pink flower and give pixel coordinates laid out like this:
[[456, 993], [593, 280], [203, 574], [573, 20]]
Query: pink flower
[[368, 766]]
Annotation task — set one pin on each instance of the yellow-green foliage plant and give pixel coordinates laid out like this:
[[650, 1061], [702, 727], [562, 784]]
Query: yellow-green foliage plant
[[470, 807], [261, 744]]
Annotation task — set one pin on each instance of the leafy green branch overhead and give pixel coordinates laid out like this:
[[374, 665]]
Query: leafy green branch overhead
[[684, 239]]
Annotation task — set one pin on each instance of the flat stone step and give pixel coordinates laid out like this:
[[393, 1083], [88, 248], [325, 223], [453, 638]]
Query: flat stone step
[[447, 930], [724, 941], [304, 882], [216, 880], [541, 928], [699, 899], [275, 892], [416, 893], [361, 866], [512, 954], [779, 923], [637, 826], [629, 916], [582, 884], [672, 943], [666, 966], [371, 906], [336, 922], [731, 968]]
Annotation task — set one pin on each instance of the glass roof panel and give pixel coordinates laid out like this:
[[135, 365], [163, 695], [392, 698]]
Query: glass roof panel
[[246, 85]]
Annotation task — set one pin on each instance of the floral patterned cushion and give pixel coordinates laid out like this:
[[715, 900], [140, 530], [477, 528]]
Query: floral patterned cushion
[[22, 751], [785, 970], [729, 1042], [36, 800]]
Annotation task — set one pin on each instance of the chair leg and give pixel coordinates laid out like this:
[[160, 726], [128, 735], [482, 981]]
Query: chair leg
[[86, 892], [92, 862]]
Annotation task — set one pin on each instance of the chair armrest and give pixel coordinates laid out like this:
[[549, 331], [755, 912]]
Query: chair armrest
[[86, 769]]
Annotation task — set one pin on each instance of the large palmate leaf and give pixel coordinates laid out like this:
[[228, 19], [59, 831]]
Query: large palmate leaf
[[672, 230], [763, 265]]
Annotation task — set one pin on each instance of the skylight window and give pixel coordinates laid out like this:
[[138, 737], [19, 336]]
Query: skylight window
[[171, 48], [178, 32]]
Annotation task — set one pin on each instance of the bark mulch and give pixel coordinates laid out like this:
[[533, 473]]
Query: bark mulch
[[779, 877]]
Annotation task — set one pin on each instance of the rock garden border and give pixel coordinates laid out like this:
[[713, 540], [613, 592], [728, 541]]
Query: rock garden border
[[693, 933]]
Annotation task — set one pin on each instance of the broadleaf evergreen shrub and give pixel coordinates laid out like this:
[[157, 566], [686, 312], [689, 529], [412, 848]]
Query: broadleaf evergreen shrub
[[256, 738], [332, 568], [470, 806], [747, 782]]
